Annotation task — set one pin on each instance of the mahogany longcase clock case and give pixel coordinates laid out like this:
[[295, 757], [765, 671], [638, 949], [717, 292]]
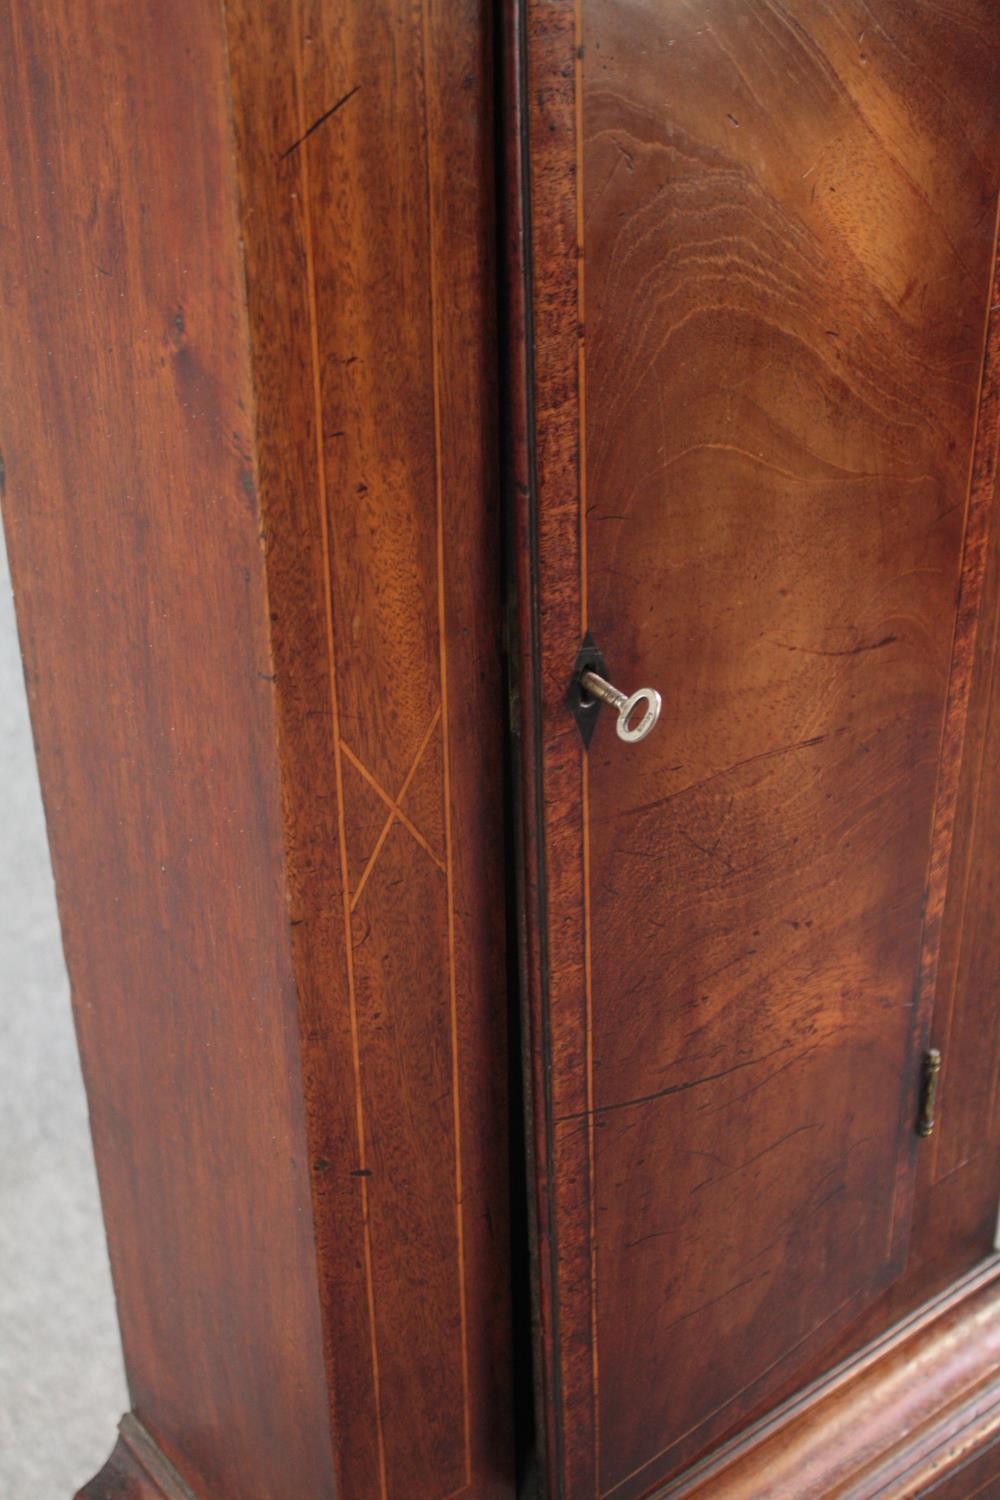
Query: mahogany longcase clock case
[[501, 500]]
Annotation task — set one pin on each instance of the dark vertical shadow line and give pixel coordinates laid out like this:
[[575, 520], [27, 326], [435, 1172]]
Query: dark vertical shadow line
[[522, 800]]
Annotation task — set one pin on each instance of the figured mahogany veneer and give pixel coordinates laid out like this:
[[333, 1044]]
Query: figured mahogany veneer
[[749, 375], [916, 1414], [756, 441]]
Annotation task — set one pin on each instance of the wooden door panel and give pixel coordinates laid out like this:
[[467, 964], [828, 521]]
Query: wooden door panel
[[760, 247], [965, 1022]]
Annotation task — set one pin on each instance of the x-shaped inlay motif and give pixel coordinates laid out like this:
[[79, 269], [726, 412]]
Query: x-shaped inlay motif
[[393, 804]]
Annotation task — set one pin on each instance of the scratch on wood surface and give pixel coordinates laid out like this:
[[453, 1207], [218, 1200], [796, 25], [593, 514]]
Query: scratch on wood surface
[[676, 1088], [317, 123], [887, 640]]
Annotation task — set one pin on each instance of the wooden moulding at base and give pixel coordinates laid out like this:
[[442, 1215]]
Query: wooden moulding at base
[[916, 1413], [136, 1470]]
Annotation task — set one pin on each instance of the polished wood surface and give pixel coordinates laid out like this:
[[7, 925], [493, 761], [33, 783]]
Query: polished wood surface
[[757, 463], [133, 536], [966, 1025], [248, 426], [917, 1414], [956, 1192], [249, 444], [364, 142]]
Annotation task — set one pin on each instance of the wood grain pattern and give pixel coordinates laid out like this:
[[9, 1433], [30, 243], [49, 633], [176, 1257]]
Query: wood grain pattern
[[771, 234], [964, 1023], [977, 1479], [918, 1414], [407, 602], [402, 436], [545, 458], [801, 753], [958, 1178], [133, 533], [260, 604]]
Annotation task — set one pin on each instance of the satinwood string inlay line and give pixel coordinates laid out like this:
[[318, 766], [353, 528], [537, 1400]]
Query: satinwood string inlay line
[[335, 726], [396, 812]]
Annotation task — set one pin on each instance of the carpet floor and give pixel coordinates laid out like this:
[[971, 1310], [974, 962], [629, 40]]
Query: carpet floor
[[62, 1387]]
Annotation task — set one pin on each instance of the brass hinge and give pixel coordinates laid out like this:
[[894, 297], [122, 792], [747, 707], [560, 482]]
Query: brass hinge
[[929, 1075]]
